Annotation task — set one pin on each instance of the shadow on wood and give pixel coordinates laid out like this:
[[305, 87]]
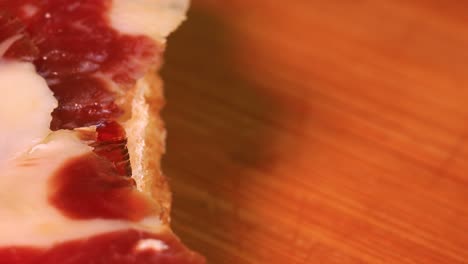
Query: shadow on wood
[[218, 131]]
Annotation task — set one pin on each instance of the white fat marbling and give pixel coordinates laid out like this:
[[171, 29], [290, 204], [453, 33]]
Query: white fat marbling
[[154, 18], [25, 111], [26, 217]]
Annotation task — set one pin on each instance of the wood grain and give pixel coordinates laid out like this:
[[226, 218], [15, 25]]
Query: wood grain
[[320, 131]]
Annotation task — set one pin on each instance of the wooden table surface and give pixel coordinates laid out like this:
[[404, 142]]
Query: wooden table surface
[[325, 131]]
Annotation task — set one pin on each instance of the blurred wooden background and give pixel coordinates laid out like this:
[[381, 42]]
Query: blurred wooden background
[[325, 131]]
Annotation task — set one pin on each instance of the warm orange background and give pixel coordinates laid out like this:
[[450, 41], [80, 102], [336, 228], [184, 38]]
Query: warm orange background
[[328, 131]]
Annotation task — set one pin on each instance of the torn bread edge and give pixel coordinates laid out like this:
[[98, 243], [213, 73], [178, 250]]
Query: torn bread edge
[[145, 128]]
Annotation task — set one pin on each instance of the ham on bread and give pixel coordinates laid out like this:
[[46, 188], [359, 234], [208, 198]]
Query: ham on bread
[[80, 132]]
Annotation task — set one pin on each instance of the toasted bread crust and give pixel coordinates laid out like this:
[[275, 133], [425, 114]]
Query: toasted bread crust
[[146, 141], [145, 128]]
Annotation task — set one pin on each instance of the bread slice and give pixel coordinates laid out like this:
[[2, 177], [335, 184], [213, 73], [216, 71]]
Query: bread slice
[[146, 141], [35, 157], [148, 99], [145, 129]]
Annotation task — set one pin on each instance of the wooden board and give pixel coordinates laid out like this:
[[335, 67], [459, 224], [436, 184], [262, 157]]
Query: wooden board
[[320, 131]]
